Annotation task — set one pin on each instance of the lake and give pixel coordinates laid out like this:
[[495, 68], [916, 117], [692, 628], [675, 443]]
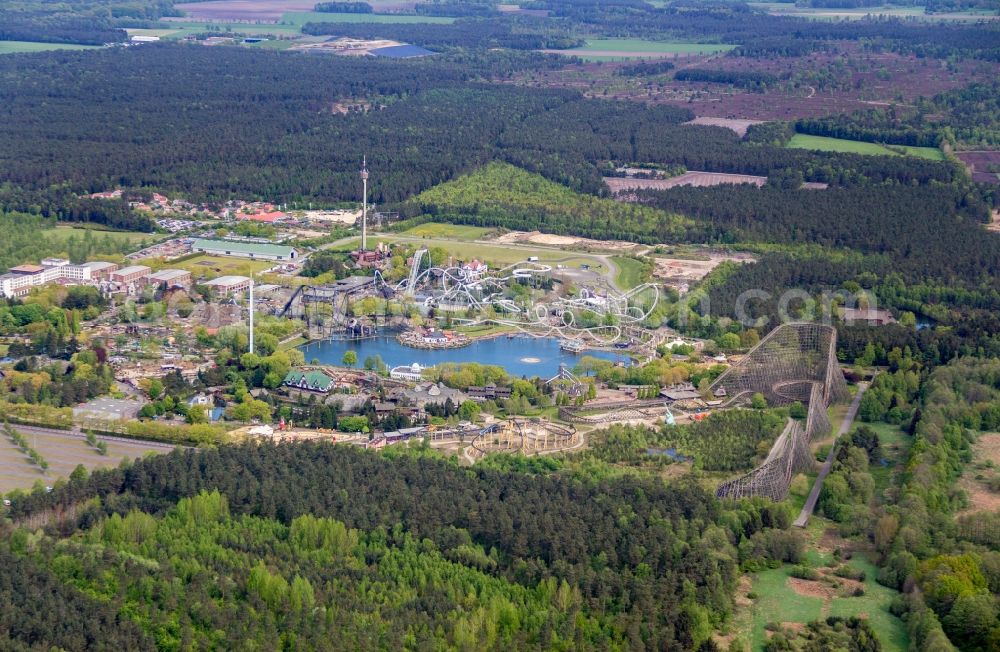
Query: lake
[[520, 356]]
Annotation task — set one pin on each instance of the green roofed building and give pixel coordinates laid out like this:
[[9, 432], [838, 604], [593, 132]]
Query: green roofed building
[[315, 381], [255, 250]]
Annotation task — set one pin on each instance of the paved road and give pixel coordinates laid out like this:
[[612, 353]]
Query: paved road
[[845, 425]]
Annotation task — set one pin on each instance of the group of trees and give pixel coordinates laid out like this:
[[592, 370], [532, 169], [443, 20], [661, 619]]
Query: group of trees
[[964, 117], [725, 441], [763, 35], [752, 80], [954, 563], [662, 576], [57, 383], [25, 240]]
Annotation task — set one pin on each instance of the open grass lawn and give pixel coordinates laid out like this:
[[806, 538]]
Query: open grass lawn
[[895, 450], [213, 266], [778, 602], [622, 49], [14, 47], [630, 272], [804, 141], [448, 231], [182, 29], [494, 254], [63, 232]]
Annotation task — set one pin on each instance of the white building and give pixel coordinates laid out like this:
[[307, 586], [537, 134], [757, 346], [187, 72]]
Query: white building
[[229, 285], [171, 278], [21, 278], [475, 269], [413, 372]]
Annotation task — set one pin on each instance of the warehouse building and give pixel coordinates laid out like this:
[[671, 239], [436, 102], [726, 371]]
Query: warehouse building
[[255, 250], [132, 274], [100, 270], [225, 285], [171, 278]]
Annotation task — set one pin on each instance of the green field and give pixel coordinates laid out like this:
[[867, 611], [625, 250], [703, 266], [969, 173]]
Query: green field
[[447, 231], [182, 29], [630, 272], [804, 141], [496, 254], [895, 449], [15, 47], [777, 602], [213, 266], [64, 232], [616, 49]]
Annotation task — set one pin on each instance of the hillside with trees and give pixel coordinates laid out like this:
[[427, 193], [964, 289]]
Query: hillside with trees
[[502, 195], [553, 561]]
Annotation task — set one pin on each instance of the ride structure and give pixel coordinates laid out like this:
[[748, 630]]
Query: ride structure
[[615, 316], [794, 362]]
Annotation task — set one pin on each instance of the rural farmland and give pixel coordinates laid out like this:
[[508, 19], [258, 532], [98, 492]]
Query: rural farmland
[[63, 451]]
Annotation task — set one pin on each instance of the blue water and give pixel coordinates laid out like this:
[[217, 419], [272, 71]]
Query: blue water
[[502, 351], [669, 452]]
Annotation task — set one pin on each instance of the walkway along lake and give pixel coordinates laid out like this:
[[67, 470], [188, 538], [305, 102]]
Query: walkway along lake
[[520, 356]]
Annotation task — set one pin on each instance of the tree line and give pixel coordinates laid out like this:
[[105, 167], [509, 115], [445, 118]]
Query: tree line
[[662, 577]]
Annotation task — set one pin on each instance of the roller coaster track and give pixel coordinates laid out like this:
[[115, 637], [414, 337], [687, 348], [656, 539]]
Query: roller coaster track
[[795, 362], [611, 412], [527, 436], [619, 314], [411, 283]]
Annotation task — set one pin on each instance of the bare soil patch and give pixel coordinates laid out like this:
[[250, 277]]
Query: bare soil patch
[[987, 446], [682, 269], [743, 588], [812, 589], [983, 166], [981, 498], [697, 179], [536, 237], [739, 126]]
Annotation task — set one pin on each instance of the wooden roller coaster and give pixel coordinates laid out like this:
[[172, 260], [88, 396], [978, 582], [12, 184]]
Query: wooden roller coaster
[[795, 362], [526, 436]]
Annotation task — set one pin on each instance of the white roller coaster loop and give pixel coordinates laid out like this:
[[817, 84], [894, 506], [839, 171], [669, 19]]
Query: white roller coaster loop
[[620, 315]]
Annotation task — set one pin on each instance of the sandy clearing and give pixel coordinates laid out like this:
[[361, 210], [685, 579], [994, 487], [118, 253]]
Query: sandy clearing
[[812, 589], [987, 446], [738, 125], [694, 270], [536, 237], [692, 178]]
